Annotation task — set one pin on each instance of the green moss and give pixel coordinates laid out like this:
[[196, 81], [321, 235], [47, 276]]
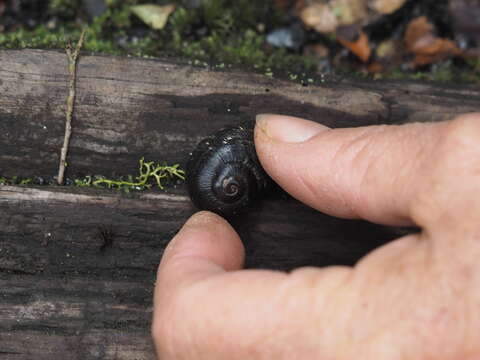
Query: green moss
[[41, 37], [66, 9], [232, 36], [15, 180], [150, 173], [444, 72], [219, 31]]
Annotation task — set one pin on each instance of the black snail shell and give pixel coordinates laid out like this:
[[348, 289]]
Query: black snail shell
[[224, 174]]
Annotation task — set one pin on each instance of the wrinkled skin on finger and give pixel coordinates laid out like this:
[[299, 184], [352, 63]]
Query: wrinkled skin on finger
[[417, 297]]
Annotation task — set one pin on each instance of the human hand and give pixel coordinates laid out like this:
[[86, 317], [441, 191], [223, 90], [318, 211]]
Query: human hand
[[417, 297]]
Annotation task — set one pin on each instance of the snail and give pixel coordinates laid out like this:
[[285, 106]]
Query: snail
[[224, 174]]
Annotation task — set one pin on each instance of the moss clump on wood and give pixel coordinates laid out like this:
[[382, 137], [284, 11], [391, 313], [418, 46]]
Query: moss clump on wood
[[218, 33], [149, 174], [15, 180]]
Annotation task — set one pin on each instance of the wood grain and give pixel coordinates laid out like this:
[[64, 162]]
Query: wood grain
[[127, 108]]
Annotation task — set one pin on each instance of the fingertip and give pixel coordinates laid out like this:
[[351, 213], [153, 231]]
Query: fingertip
[[206, 236], [350, 172], [205, 219], [288, 129], [280, 142], [206, 246]]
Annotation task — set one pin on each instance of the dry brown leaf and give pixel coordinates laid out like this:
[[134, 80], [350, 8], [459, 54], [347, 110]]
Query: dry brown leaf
[[419, 31], [349, 11], [326, 16], [320, 17], [421, 40], [155, 16], [386, 6], [439, 50], [360, 47]]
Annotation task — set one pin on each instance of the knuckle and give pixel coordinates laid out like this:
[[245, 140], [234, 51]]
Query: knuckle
[[452, 170], [457, 161], [319, 284], [460, 138]]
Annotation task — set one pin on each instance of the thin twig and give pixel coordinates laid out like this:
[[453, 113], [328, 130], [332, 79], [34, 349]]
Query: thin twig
[[72, 55]]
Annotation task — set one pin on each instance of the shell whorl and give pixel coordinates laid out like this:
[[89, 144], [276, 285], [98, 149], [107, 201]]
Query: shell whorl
[[224, 174]]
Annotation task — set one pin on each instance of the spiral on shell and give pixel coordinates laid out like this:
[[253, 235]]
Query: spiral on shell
[[224, 174]]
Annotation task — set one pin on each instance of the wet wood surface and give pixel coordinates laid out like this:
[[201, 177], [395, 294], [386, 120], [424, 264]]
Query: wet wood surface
[[77, 265]]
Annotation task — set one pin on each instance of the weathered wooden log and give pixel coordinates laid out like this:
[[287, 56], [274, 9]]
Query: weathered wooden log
[[77, 265], [127, 108], [67, 289]]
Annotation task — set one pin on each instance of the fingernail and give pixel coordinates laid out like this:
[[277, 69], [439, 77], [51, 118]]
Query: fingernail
[[288, 128]]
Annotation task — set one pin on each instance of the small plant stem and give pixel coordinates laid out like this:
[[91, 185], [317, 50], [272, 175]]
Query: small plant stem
[[72, 55]]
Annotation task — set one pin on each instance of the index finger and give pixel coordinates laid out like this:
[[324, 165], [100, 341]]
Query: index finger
[[370, 172]]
